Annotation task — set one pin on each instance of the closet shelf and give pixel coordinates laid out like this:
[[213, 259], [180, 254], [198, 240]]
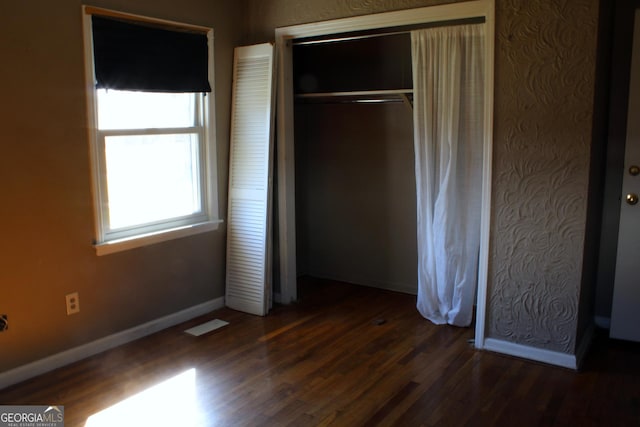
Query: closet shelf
[[360, 96]]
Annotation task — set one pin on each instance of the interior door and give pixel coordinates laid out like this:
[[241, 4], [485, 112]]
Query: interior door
[[625, 311], [248, 280]]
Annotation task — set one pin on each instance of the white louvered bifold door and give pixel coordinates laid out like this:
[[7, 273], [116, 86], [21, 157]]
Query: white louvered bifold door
[[248, 282]]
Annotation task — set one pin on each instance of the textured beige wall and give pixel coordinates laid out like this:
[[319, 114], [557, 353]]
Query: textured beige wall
[[45, 187], [545, 78]]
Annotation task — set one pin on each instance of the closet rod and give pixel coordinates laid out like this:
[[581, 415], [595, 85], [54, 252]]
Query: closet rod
[[344, 39], [354, 93], [358, 35], [358, 97], [354, 101]]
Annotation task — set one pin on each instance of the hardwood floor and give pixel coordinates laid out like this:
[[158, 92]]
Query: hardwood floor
[[346, 356]]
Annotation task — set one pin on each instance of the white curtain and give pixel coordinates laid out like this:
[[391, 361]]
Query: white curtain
[[448, 85]]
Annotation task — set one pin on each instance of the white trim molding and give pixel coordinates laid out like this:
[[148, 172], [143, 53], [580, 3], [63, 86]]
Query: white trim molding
[[556, 358], [67, 357], [565, 360], [114, 246]]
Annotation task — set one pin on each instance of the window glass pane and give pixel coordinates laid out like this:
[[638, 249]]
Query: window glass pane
[[151, 178], [145, 110]]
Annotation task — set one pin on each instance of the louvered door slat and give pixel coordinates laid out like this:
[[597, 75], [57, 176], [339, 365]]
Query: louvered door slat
[[248, 284]]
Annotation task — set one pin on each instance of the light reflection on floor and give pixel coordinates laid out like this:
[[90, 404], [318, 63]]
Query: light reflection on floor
[[170, 403]]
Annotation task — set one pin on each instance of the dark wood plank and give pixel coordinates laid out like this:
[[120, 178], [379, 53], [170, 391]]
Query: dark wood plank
[[327, 360]]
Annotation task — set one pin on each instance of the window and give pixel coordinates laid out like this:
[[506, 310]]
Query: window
[[150, 119]]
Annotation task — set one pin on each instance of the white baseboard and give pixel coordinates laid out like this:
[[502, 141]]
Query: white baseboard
[[526, 352], [58, 360]]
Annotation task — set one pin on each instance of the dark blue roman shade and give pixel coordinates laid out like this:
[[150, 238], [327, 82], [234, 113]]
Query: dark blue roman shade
[[142, 57]]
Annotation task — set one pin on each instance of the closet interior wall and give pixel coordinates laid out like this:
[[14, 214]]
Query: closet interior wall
[[355, 180]]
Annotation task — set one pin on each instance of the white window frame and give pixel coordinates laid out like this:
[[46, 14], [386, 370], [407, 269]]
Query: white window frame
[[108, 241]]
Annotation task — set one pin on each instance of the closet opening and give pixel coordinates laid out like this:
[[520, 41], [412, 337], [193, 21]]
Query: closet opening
[[332, 97], [354, 182]]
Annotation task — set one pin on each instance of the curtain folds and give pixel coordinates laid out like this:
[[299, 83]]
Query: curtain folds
[[448, 84]]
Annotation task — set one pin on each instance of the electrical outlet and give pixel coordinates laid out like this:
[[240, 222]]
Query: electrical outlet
[[4, 322], [73, 303]]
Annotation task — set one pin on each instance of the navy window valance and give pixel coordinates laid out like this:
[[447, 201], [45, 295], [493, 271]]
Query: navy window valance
[[142, 57]]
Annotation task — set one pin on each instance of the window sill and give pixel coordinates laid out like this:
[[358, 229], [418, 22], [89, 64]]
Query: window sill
[[120, 245]]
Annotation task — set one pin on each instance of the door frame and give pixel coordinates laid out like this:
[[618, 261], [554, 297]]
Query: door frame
[[619, 16], [285, 128], [625, 295]]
